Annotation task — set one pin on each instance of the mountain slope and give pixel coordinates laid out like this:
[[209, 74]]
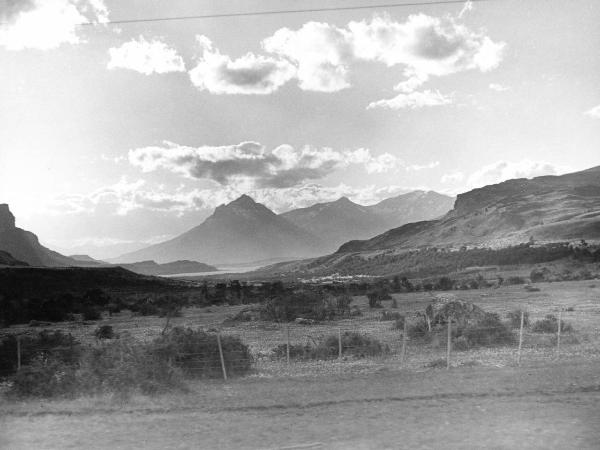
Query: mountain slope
[[337, 222], [241, 231], [548, 208], [412, 207], [6, 259], [24, 245], [342, 220]]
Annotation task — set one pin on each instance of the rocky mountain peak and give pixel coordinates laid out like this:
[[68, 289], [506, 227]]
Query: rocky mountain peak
[[7, 220]]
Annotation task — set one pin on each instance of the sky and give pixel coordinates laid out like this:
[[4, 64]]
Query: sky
[[116, 135]]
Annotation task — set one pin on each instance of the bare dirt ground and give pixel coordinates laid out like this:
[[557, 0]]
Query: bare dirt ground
[[555, 405]]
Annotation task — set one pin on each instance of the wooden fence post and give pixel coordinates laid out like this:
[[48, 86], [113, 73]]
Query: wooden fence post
[[520, 337], [558, 334], [221, 355], [18, 352], [287, 345], [404, 338], [340, 343], [449, 343]]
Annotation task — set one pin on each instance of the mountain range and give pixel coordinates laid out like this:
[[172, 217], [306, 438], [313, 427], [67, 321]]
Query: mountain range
[[245, 231], [541, 210]]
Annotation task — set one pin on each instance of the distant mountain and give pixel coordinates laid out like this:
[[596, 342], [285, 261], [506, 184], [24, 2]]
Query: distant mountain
[[241, 231], [337, 222], [342, 220], [543, 209], [25, 246], [171, 268], [413, 207], [6, 259]]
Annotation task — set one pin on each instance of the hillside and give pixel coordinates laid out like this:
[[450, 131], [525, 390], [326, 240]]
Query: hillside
[[6, 259], [241, 231], [343, 220], [543, 210], [24, 245], [171, 268], [44, 281]]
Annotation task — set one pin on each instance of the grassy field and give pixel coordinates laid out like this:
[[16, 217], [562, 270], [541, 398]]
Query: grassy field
[[484, 401]]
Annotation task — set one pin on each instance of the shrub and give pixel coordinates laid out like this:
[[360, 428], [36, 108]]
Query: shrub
[[399, 323], [418, 329], [317, 306], [394, 303], [514, 318], [515, 280], [444, 284], [126, 366], [104, 332], [389, 315], [55, 345], [44, 377], [530, 288], [196, 353], [487, 332], [354, 344], [549, 324], [91, 313]]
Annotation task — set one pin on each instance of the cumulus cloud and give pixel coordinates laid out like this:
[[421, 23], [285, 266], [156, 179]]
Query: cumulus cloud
[[413, 100], [506, 170], [594, 112], [252, 165], [146, 57], [321, 55], [498, 87], [126, 196], [249, 74], [46, 24], [418, 167], [454, 177]]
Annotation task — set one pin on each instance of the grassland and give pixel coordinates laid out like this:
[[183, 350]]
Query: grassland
[[484, 401]]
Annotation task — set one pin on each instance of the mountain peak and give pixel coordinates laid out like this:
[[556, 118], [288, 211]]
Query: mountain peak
[[343, 201], [243, 200], [7, 219]]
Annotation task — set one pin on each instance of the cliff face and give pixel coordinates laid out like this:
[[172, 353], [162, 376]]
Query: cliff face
[[24, 245], [7, 220]]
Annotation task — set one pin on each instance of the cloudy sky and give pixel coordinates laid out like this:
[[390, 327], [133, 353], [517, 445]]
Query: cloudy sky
[[133, 132]]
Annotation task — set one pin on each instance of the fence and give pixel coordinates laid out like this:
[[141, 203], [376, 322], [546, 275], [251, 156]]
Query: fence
[[403, 340]]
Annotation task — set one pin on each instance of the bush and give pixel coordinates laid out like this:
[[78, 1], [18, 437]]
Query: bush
[[44, 377], [515, 280], [444, 284], [125, 366], [549, 324], [418, 330], [196, 353], [488, 332], [306, 304], [389, 315], [55, 345], [104, 332], [354, 344], [514, 318]]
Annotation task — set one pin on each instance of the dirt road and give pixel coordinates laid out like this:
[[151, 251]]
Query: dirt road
[[550, 406]]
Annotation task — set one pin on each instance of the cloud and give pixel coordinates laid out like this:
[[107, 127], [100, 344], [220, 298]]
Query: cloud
[[413, 100], [46, 24], [467, 7], [498, 87], [146, 57], [454, 177], [418, 167], [249, 74], [250, 164], [126, 196], [506, 170], [321, 55], [594, 112]]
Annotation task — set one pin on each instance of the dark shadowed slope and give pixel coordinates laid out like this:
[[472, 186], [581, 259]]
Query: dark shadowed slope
[[241, 231], [6, 259], [24, 245]]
